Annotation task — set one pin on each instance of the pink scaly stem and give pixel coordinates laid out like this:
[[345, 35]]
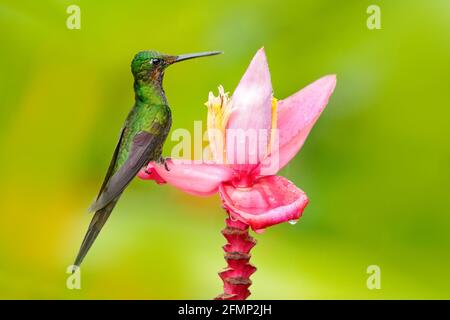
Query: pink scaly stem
[[236, 276]]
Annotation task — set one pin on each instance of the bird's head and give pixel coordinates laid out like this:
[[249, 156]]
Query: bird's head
[[150, 65]]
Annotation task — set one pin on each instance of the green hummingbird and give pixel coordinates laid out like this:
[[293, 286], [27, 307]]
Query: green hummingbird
[[141, 138]]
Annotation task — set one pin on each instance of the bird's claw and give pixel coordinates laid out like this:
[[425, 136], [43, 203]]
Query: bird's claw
[[163, 161]]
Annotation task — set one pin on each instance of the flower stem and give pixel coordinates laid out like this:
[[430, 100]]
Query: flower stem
[[236, 276]]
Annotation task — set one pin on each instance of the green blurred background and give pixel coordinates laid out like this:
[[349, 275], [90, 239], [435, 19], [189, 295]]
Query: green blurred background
[[376, 166]]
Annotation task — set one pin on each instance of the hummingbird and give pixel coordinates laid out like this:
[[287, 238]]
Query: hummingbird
[[141, 138]]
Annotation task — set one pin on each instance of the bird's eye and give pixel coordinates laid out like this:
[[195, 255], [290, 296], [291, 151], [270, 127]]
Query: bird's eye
[[155, 61]]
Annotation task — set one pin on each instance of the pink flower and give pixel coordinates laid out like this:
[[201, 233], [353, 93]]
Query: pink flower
[[244, 167]]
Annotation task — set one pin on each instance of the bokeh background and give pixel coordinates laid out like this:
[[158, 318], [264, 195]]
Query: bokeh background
[[376, 165]]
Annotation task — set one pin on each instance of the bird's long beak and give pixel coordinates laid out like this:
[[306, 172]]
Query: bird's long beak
[[195, 55]]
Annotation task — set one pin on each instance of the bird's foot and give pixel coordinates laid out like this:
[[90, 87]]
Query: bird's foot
[[163, 161]]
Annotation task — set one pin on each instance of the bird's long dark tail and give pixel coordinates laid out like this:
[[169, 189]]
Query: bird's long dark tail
[[96, 225]]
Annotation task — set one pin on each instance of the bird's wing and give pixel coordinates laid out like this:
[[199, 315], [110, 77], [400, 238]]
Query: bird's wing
[[112, 164], [143, 144], [114, 184]]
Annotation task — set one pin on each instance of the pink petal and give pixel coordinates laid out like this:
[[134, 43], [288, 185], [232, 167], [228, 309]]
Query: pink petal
[[271, 200], [248, 128], [197, 179], [295, 118]]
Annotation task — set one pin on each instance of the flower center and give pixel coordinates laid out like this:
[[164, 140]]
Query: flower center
[[244, 182]]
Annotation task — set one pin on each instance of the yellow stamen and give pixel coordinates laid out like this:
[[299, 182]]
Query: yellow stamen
[[219, 112], [274, 125]]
